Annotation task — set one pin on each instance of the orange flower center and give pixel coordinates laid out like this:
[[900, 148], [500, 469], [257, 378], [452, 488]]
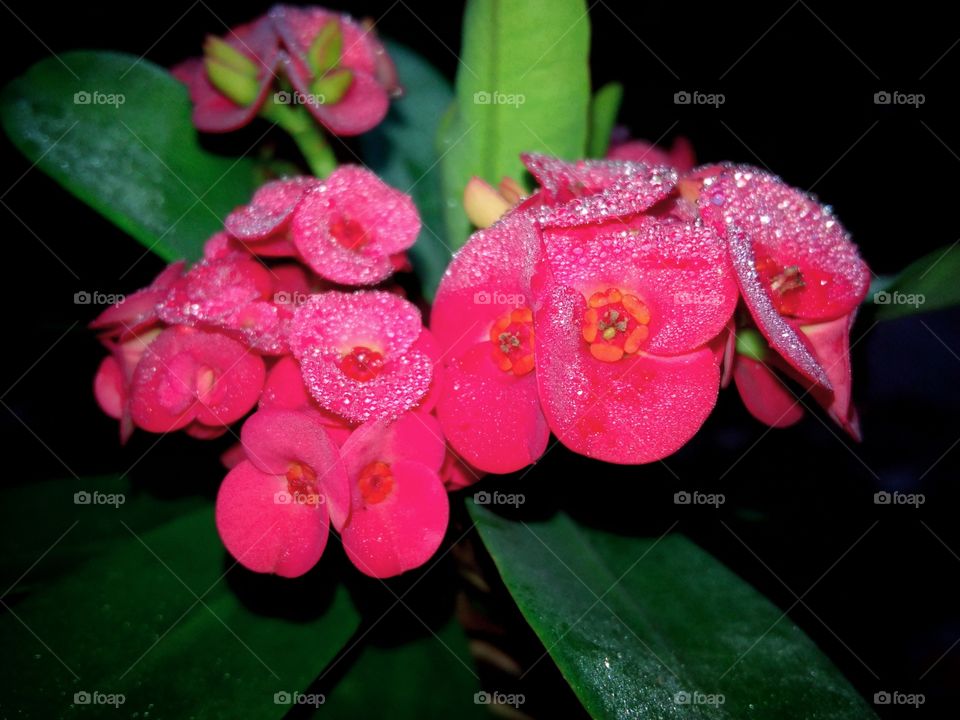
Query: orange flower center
[[302, 484], [614, 324], [511, 338], [362, 363], [375, 482], [349, 233]]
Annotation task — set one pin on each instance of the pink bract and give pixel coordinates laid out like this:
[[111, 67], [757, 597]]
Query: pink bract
[[680, 156], [188, 374], [351, 228], [363, 355], [399, 508]]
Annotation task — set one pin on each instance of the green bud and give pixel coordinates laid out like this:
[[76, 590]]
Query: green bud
[[221, 51], [240, 88], [751, 344], [332, 86], [326, 48]]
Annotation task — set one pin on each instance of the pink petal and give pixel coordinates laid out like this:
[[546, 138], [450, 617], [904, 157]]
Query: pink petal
[[403, 531], [789, 228], [680, 157], [680, 271], [831, 343], [109, 387], [636, 410], [139, 310], [269, 210], [414, 436], [264, 534], [383, 221], [765, 395], [457, 474], [491, 418], [275, 440]]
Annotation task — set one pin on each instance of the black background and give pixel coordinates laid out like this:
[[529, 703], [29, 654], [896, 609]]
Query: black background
[[799, 82]]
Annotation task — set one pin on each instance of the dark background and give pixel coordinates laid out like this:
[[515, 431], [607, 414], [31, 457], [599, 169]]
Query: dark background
[[799, 81]]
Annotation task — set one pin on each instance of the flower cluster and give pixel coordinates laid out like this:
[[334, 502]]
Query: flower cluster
[[604, 308], [340, 379], [324, 61]]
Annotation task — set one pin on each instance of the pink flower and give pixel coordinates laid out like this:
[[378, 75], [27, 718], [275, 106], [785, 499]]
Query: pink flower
[[800, 276], [229, 85], [399, 508], [263, 225], [353, 228], [274, 509], [482, 318], [188, 375], [340, 67], [363, 355], [111, 384], [629, 311]]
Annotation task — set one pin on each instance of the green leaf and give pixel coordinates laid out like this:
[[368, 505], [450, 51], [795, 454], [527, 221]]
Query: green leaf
[[603, 116], [401, 150], [929, 283], [425, 678], [633, 621], [523, 85], [119, 137], [126, 617]]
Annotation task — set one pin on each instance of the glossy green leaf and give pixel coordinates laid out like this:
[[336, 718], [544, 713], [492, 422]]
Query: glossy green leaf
[[429, 677], [402, 151], [929, 283], [523, 84], [119, 137], [639, 625], [156, 611], [603, 116]]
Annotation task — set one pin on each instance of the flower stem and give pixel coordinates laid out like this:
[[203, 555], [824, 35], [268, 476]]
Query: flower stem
[[306, 133]]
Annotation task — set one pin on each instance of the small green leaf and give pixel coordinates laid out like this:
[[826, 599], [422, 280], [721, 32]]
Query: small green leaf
[[603, 116], [639, 625], [927, 284], [523, 85], [331, 88], [221, 51], [237, 86], [326, 48], [119, 137], [401, 150]]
